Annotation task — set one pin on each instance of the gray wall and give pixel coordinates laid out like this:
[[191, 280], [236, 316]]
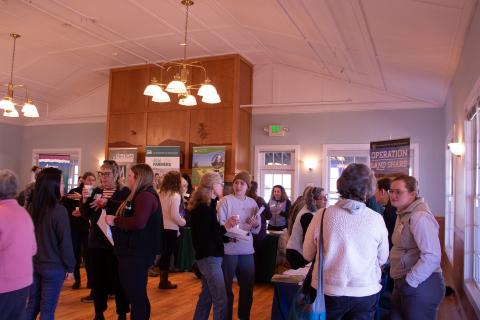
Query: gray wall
[[10, 146], [311, 131], [89, 137]]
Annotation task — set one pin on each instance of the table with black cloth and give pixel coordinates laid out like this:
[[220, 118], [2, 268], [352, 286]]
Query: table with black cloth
[[186, 253], [283, 295], [266, 258]]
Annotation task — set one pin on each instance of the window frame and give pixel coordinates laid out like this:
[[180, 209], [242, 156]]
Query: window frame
[[295, 165]]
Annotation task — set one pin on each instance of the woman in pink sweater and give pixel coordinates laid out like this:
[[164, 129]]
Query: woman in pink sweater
[[17, 247]]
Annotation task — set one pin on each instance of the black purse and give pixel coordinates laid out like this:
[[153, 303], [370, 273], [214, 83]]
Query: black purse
[[309, 304]]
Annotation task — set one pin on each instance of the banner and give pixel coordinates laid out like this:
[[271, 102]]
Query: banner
[[59, 161], [162, 159], [125, 158], [207, 159], [390, 157]]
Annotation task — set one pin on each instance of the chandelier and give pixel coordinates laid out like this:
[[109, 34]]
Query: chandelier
[[7, 103], [180, 85]]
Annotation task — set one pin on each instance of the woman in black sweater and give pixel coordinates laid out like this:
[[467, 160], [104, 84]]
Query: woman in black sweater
[[207, 238], [54, 261], [136, 233]]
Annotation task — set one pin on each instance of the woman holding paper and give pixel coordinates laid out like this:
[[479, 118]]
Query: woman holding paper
[[238, 259], [54, 261], [103, 262], [207, 238], [136, 234]]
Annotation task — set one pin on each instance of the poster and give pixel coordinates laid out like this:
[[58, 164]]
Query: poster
[[59, 161], [390, 157], [207, 159], [162, 159], [125, 158]]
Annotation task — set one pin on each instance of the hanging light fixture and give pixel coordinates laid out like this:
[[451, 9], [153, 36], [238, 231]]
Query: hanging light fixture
[[8, 103], [180, 85]]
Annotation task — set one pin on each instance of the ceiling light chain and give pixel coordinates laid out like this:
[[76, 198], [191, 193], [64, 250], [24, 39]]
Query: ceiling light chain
[[7, 103], [179, 84]]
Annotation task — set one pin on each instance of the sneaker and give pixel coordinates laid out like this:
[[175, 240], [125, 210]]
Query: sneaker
[[87, 299]]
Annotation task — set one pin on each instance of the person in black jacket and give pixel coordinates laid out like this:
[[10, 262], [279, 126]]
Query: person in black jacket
[[54, 261], [207, 238], [136, 233], [79, 226], [103, 263]]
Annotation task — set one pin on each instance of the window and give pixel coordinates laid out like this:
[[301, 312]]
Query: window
[[67, 160], [339, 156], [449, 206], [473, 220], [277, 165]]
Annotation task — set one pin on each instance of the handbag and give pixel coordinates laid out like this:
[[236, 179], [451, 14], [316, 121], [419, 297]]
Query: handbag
[[308, 303]]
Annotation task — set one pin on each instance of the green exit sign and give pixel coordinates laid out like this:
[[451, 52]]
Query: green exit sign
[[276, 130]]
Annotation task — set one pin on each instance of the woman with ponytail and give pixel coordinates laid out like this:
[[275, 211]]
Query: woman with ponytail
[[314, 199], [136, 233]]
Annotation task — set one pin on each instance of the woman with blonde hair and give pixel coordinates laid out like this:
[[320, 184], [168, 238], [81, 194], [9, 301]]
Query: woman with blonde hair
[[207, 238], [103, 262], [136, 233], [170, 200]]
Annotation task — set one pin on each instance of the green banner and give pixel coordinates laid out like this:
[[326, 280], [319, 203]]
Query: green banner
[[207, 159]]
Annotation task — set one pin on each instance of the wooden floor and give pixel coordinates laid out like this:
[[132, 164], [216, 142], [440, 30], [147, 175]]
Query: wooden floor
[[180, 304]]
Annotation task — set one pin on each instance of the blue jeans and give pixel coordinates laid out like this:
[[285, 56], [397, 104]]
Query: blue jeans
[[344, 307], [12, 304], [243, 267], [44, 293], [213, 290]]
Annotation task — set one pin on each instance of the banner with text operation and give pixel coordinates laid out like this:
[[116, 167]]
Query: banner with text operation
[[207, 159], [163, 159], [125, 158], [390, 157]]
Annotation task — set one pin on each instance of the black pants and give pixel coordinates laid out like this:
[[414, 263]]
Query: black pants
[[358, 308], [13, 304], [133, 277], [169, 242], [80, 246], [295, 259], [104, 274]]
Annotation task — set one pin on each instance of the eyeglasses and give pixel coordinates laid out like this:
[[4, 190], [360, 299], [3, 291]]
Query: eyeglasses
[[104, 174], [397, 192]]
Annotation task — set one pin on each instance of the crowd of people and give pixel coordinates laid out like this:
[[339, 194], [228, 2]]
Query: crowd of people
[[380, 236]]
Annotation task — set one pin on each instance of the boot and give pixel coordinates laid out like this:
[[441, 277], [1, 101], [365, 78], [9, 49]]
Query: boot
[[164, 283]]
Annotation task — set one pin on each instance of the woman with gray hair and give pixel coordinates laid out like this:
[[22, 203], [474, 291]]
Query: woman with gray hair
[[355, 246], [17, 247]]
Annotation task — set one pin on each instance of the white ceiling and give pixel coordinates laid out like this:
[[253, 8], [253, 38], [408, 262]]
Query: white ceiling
[[404, 49]]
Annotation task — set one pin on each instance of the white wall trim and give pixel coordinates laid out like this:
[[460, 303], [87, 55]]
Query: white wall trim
[[277, 147], [68, 120]]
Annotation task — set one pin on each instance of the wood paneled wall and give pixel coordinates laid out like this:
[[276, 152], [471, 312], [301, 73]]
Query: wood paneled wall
[[135, 121]]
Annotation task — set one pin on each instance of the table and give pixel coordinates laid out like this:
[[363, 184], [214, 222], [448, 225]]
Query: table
[[186, 253], [283, 295]]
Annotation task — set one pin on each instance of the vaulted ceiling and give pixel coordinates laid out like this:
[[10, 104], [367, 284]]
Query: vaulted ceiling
[[405, 51]]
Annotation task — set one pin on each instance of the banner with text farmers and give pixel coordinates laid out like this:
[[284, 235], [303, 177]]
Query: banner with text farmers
[[162, 159], [390, 157]]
